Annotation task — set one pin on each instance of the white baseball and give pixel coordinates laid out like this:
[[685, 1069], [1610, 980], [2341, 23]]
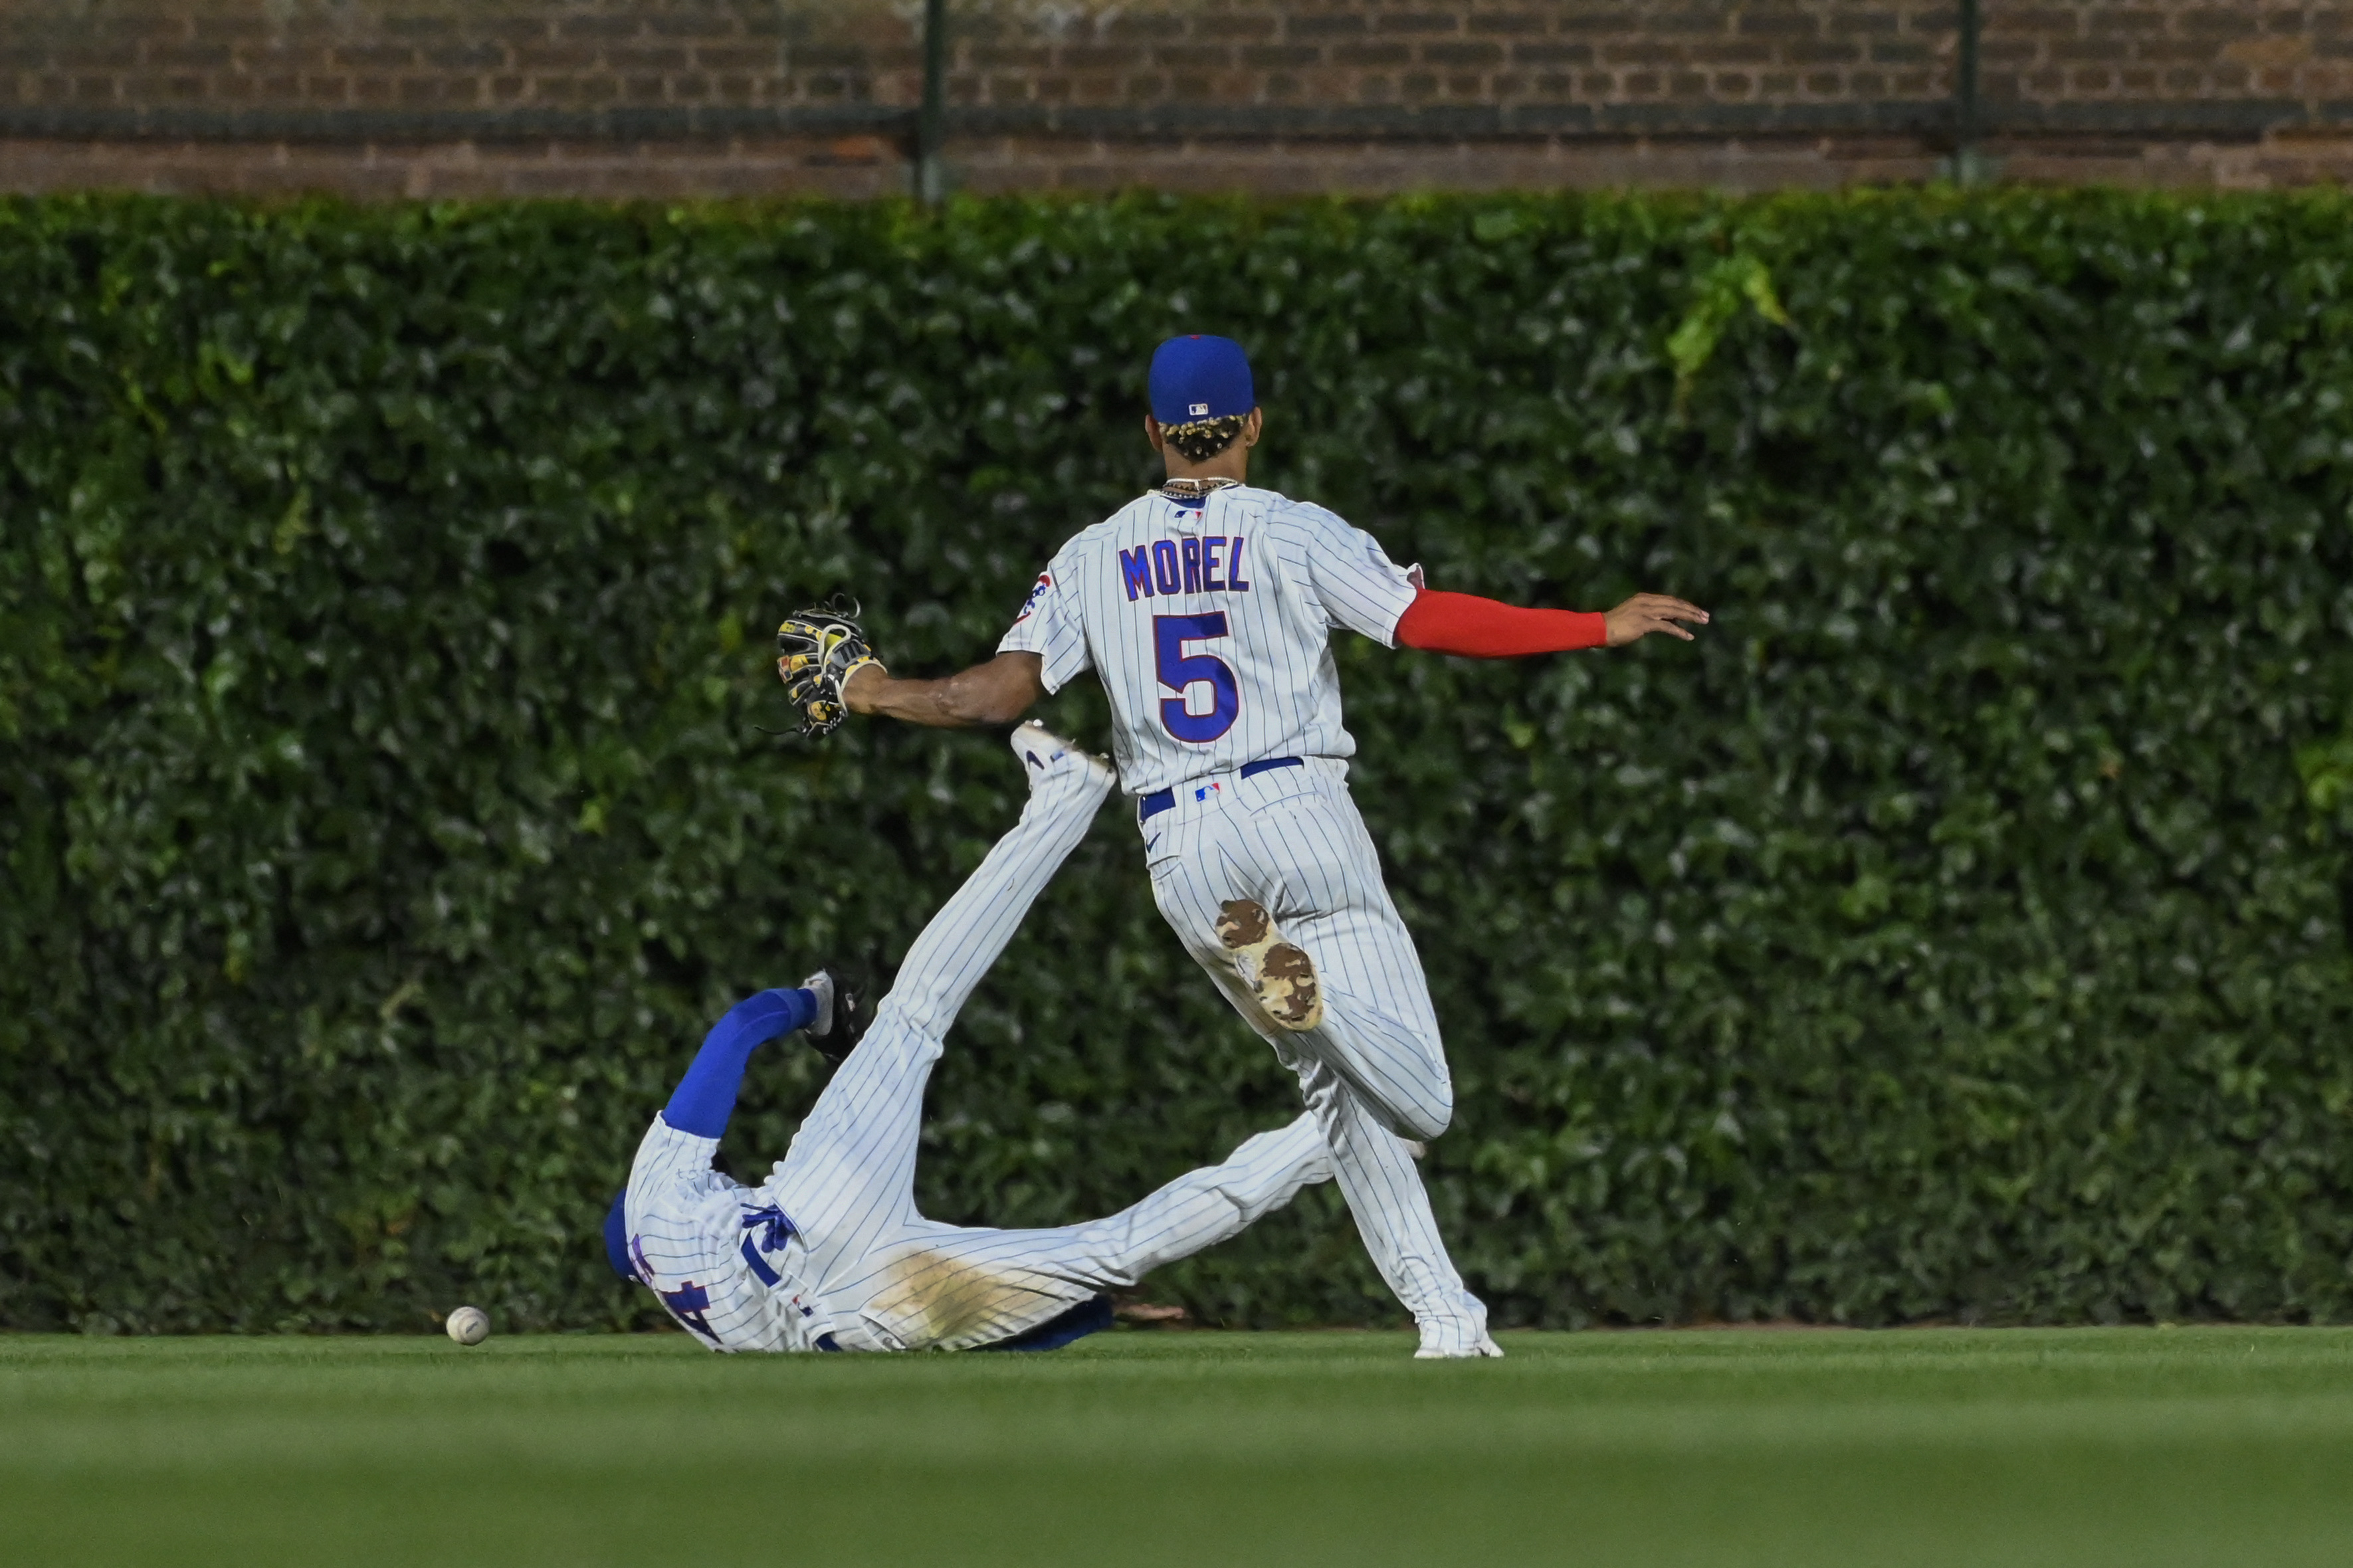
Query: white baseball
[[468, 1325]]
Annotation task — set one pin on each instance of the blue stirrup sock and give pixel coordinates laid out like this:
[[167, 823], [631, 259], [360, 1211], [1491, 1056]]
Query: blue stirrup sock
[[706, 1096]]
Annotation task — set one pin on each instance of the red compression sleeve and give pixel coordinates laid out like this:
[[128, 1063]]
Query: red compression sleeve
[[1474, 627]]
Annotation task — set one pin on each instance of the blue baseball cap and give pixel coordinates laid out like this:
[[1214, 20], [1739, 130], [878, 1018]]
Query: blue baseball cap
[[1200, 377]]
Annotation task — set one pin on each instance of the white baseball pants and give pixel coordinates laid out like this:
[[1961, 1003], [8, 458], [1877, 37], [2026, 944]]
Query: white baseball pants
[[891, 1279], [1374, 1072]]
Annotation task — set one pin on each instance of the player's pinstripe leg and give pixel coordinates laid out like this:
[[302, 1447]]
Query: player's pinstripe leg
[[849, 1175], [1291, 852], [1381, 1034], [1376, 1171], [1323, 886], [1403, 1081], [957, 1286], [1299, 859]]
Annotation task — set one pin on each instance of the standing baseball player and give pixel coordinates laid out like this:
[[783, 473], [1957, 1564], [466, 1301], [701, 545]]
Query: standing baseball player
[[1206, 606], [828, 1253]]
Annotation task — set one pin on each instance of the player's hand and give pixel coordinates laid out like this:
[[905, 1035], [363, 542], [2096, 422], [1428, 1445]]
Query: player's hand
[[1643, 613]]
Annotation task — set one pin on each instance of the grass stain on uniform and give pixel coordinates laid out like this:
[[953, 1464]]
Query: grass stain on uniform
[[931, 1301]]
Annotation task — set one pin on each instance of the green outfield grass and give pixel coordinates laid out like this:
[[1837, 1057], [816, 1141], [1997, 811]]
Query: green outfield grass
[[2076, 1447]]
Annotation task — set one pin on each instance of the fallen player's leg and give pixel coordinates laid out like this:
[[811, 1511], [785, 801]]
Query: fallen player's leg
[[829, 1253], [957, 1288], [848, 1179]]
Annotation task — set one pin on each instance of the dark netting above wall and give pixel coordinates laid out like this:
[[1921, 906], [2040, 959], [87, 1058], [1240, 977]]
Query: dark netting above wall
[[385, 600]]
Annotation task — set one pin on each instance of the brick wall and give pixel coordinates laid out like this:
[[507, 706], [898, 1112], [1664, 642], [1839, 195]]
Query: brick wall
[[679, 97]]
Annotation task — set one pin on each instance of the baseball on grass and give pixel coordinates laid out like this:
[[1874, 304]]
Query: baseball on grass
[[468, 1325]]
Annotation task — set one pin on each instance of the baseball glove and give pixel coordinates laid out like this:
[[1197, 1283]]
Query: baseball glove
[[818, 648]]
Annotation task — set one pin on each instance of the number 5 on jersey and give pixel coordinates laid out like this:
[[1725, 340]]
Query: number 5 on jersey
[[1181, 672]]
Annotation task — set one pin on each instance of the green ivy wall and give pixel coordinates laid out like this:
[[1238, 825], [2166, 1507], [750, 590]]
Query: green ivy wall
[[1956, 930]]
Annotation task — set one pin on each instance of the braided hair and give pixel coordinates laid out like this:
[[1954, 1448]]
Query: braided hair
[[1200, 439]]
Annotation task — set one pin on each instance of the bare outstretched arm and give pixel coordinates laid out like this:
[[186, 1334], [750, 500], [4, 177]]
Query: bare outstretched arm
[[997, 692]]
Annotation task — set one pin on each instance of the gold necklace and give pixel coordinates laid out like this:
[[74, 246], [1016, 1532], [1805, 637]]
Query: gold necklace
[[1193, 489]]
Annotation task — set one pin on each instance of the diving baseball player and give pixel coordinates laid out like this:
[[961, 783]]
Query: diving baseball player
[[1206, 606], [828, 1253]]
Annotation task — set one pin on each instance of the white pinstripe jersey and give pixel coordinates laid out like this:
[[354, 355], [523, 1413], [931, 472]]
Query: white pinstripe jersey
[[1210, 627], [721, 1256]]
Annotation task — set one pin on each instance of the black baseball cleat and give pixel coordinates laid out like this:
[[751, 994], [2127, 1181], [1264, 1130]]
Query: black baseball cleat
[[841, 1016]]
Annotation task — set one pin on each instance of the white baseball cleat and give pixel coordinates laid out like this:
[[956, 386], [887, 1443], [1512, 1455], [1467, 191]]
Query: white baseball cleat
[[821, 987], [1278, 972], [1044, 754]]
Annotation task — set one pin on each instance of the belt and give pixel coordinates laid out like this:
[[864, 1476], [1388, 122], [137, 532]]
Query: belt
[[1160, 800]]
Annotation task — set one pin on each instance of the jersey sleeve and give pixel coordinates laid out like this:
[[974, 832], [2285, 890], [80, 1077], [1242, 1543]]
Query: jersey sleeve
[[674, 1168], [679, 1214], [1051, 626], [1352, 577]]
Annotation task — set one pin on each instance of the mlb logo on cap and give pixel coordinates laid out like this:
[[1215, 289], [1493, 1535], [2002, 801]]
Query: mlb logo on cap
[[1200, 377]]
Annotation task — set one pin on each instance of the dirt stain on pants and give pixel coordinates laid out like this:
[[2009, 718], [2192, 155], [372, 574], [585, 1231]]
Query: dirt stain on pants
[[937, 1300]]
